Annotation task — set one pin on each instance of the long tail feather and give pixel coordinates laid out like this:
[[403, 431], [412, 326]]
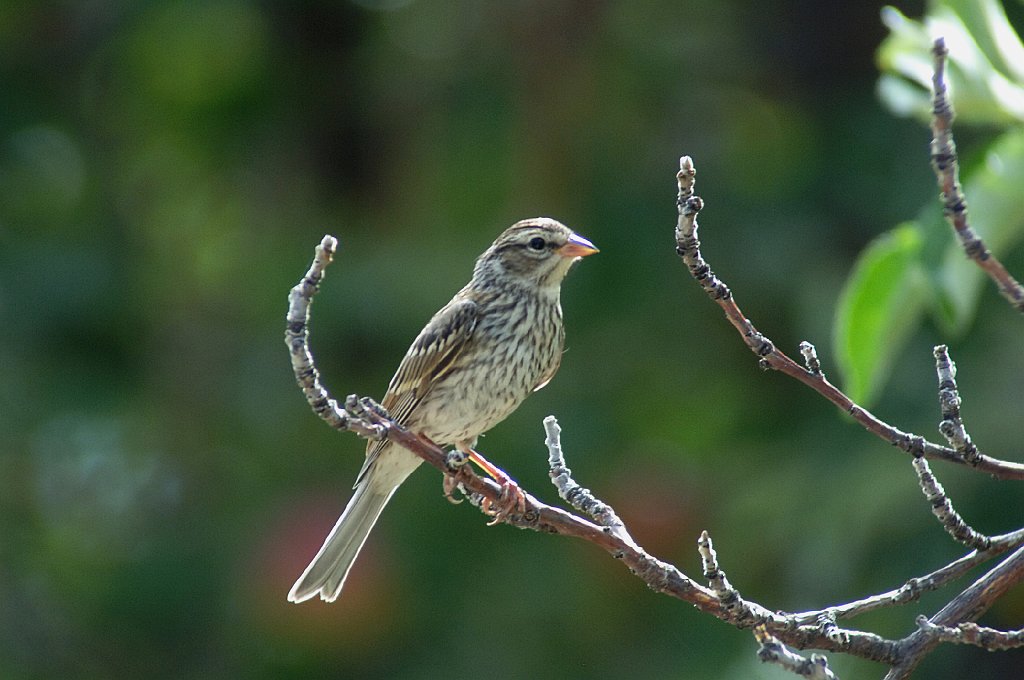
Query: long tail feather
[[326, 573]]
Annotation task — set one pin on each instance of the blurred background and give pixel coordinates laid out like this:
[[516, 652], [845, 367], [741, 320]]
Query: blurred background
[[166, 169]]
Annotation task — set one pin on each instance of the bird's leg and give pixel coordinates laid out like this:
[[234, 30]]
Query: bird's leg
[[450, 483], [512, 498], [454, 461]]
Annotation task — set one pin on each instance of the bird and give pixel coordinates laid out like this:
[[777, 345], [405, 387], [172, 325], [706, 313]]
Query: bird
[[479, 357]]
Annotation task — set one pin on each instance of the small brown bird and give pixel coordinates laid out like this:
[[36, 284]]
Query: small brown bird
[[499, 339]]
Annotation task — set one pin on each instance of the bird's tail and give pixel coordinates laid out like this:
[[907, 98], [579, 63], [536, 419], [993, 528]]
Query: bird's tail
[[326, 573]]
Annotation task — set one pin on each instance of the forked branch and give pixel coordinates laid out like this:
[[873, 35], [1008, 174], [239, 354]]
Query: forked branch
[[777, 632], [771, 357]]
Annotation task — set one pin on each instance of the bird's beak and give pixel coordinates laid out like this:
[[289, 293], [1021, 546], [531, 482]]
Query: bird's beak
[[577, 246]]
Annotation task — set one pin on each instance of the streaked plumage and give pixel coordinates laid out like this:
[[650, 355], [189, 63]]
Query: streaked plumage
[[499, 339]]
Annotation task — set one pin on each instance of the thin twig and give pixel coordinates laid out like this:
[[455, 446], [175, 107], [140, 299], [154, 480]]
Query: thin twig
[[947, 172], [944, 511], [367, 419], [717, 579], [579, 497], [770, 357], [772, 650], [744, 613], [964, 608], [951, 426], [989, 639], [296, 336], [912, 590]]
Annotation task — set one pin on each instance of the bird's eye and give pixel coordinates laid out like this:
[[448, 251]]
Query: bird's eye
[[537, 243]]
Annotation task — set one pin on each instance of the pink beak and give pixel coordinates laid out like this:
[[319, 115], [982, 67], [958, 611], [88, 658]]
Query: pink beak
[[577, 246]]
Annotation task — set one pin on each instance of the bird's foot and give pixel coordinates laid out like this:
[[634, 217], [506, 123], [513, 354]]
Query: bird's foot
[[511, 501], [451, 484]]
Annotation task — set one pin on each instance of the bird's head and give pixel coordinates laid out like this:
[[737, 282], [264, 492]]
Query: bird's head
[[537, 252]]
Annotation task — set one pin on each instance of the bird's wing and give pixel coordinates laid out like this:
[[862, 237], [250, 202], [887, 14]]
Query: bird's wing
[[431, 356]]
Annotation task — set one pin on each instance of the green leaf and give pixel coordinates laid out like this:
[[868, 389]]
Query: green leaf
[[879, 307], [985, 67], [985, 74], [990, 29]]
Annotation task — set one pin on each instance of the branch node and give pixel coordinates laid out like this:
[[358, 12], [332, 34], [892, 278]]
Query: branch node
[[773, 651], [911, 443], [717, 580], [360, 410], [831, 631], [970, 633], [810, 355], [761, 345], [951, 426]]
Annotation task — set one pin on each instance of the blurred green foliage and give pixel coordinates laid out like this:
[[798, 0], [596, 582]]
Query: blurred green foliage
[[985, 77], [879, 307], [167, 167]]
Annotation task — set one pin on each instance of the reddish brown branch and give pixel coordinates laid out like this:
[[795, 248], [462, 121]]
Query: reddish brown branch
[[912, 590], [774, 629], [964, 608], [947, 172], [659, 576], [368, 420], [688, 248]]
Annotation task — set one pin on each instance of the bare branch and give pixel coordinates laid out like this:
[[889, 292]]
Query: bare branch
[[577, 496], [823, 631], [980, 595], [943, 509], [912, 590], [952, 427], [366, 418], [296, 336], [770, 357], [776, 631], [729, 596], [773, 651], [947, 172], [989, 639], [964, 608]]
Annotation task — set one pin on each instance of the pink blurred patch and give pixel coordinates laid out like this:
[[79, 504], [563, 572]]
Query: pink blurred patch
[[368, 607]]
